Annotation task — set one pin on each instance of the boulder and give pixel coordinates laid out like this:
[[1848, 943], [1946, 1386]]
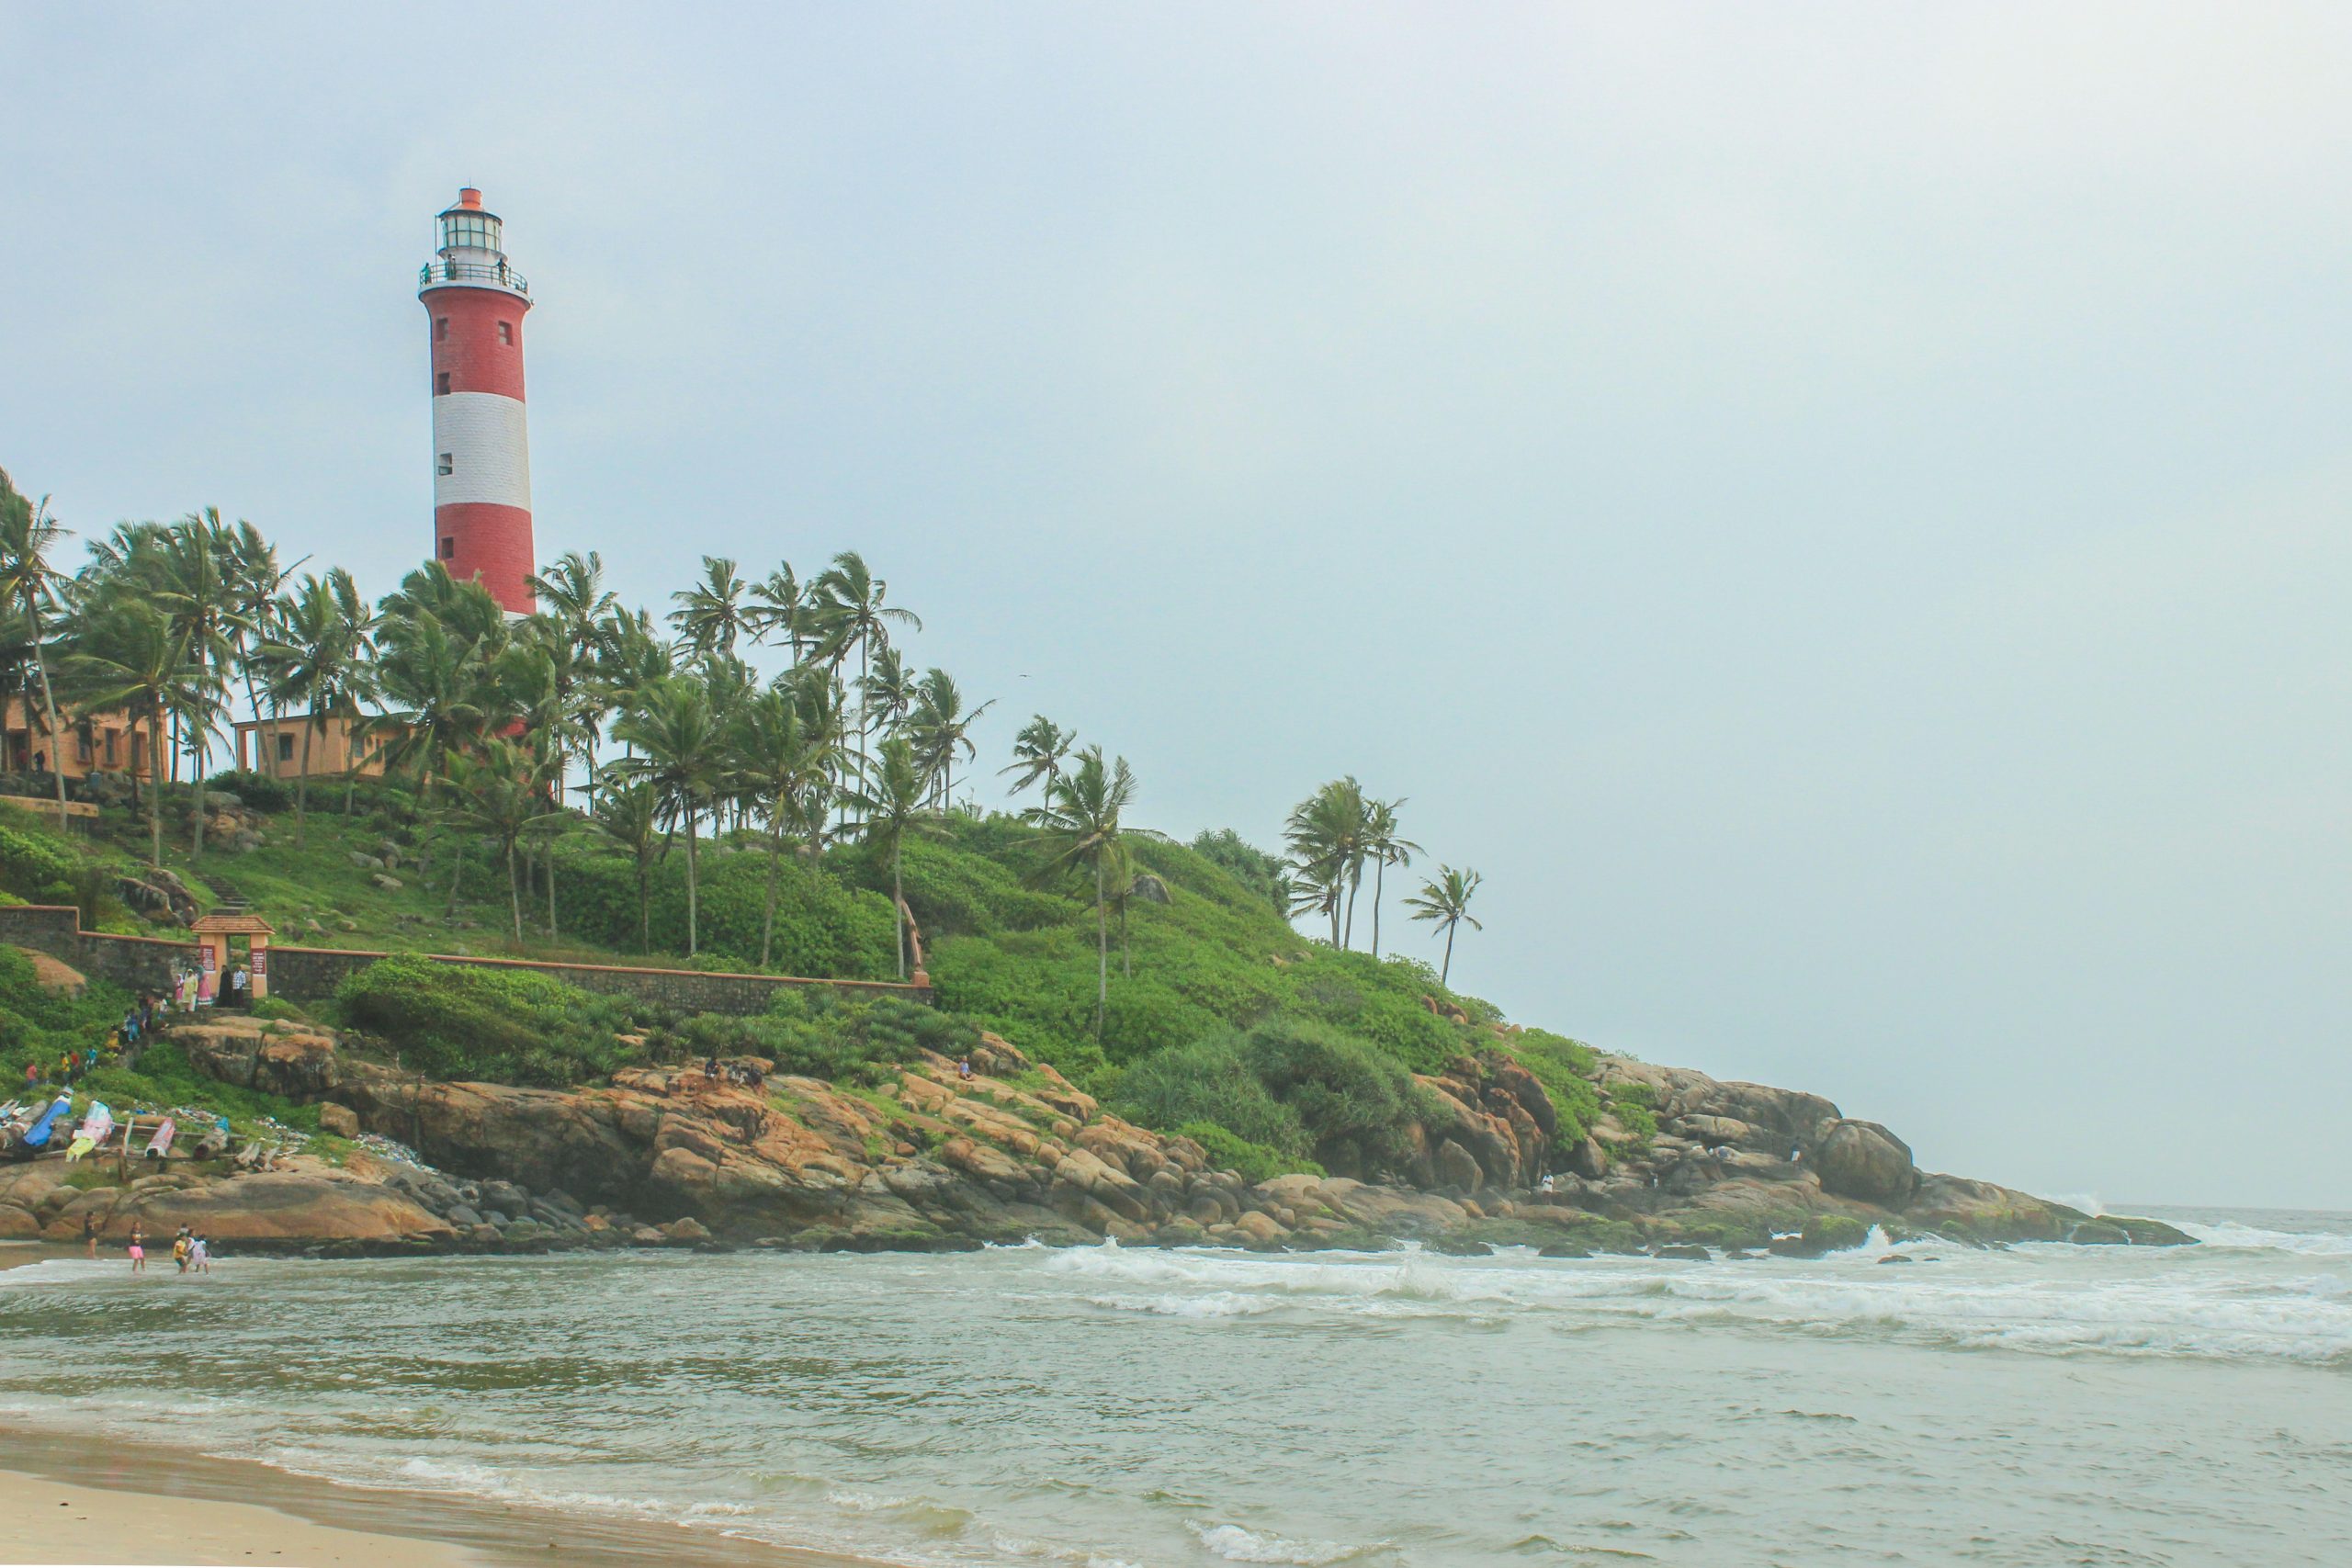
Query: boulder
[[338, 1119], [1588, 1160], [1863, 1161], [1456, 1166], [687, 1231], [388, 884], [1260, 1229]]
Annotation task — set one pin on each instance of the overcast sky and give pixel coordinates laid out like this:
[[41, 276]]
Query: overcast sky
[[1844, 514]]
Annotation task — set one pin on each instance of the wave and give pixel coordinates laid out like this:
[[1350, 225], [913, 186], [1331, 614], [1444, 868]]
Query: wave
[[2045, 1300], [2235, 1237], [1236, 1544]]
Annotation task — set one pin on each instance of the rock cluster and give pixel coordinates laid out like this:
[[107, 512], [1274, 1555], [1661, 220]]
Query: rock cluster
[[929, 1158]]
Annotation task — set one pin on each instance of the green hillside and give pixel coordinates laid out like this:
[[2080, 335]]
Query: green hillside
[[1222, 1020]]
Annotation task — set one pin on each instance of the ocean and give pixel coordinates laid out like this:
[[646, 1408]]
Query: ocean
[[1922, 1403]]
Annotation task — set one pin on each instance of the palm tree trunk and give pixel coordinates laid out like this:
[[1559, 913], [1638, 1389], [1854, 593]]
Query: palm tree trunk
[[767, 923], [1448, 970], [457, 872], [1102, 954], [899, 906], [49, 700], [196, 832], [553, 935], [1350, 941], [302, 781], [155, 784], [514, 892], [1379, 869], [644, 912], [693, 935]]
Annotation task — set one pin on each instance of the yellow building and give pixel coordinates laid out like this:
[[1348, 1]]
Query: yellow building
[[273, 748], [95, 742]]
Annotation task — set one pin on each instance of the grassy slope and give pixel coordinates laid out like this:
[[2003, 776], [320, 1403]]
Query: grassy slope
[[1005, 955]]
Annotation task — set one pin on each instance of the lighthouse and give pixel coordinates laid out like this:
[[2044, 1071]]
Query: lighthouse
[[474, 305]]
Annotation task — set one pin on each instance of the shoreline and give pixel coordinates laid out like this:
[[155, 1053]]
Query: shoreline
[[128, 1500]]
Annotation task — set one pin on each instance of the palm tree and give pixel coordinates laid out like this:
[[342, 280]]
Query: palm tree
[[780, 767], [894, 803], [1385, 847], [250, 562], [885, 695], [200, 594], [502, 792], [678, 747], [630, 815], [318, 660], [1037, 753], [135, 661], [1079, 825], [779, 604], [851, 608], [940, 728], [1447, 902], [27, 582], [572, 596], [1326, 833], [710, 615]]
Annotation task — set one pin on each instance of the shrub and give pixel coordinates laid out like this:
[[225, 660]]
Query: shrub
[[1263, 875], [823, 927], [259, 791], [1255, 1162], [824, 1034], [35, 867], [1209, 1082], [507, 1025], [37, 1024], [1357, 1104]]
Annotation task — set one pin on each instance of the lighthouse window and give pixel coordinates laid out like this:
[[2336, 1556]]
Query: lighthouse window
[[447, 466], [440, 329], [506, 332], [441, 383], [448, 547], [478, 230]]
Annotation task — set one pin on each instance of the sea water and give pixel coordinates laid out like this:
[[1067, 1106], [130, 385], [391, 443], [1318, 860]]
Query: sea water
[[2038, 1405]]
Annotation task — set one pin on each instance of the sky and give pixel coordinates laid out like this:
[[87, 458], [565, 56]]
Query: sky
[[1839, 512]]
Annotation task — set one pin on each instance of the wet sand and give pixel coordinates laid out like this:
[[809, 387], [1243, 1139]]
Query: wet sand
[[52, 1522], [78, 1499]]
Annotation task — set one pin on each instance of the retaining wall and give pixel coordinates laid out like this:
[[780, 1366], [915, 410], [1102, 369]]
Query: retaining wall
[[311, 973]]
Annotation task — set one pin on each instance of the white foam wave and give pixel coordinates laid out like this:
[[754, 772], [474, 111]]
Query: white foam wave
[[1236, 1544], [2040, 1300], [2235, 1237], [1219, 1303]]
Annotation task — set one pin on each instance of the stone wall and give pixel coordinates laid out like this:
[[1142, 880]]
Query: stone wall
[[311, 973], [135, 963]]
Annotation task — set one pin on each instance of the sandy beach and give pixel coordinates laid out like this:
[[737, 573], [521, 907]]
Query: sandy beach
[[77, 1499], [54, 1522]]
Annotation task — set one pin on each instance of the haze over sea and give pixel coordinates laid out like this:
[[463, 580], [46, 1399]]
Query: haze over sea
[[2038, 1404]]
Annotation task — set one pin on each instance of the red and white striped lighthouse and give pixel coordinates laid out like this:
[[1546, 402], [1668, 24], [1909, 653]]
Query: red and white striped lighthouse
[[481, 456]]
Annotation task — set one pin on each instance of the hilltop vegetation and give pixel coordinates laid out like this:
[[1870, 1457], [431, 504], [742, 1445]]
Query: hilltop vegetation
[[575, 784]]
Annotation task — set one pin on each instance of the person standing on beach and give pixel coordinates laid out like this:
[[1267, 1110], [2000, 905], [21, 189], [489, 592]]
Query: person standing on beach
[[181, 1248], [200, 1255], [138, 1250], [90, 1233]]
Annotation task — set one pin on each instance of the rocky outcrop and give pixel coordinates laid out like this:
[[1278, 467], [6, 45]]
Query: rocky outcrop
[[671, 1156], [308, 1203], [1865, 1161]]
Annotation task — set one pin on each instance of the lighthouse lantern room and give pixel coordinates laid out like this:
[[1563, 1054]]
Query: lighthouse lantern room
[[474, 303]]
